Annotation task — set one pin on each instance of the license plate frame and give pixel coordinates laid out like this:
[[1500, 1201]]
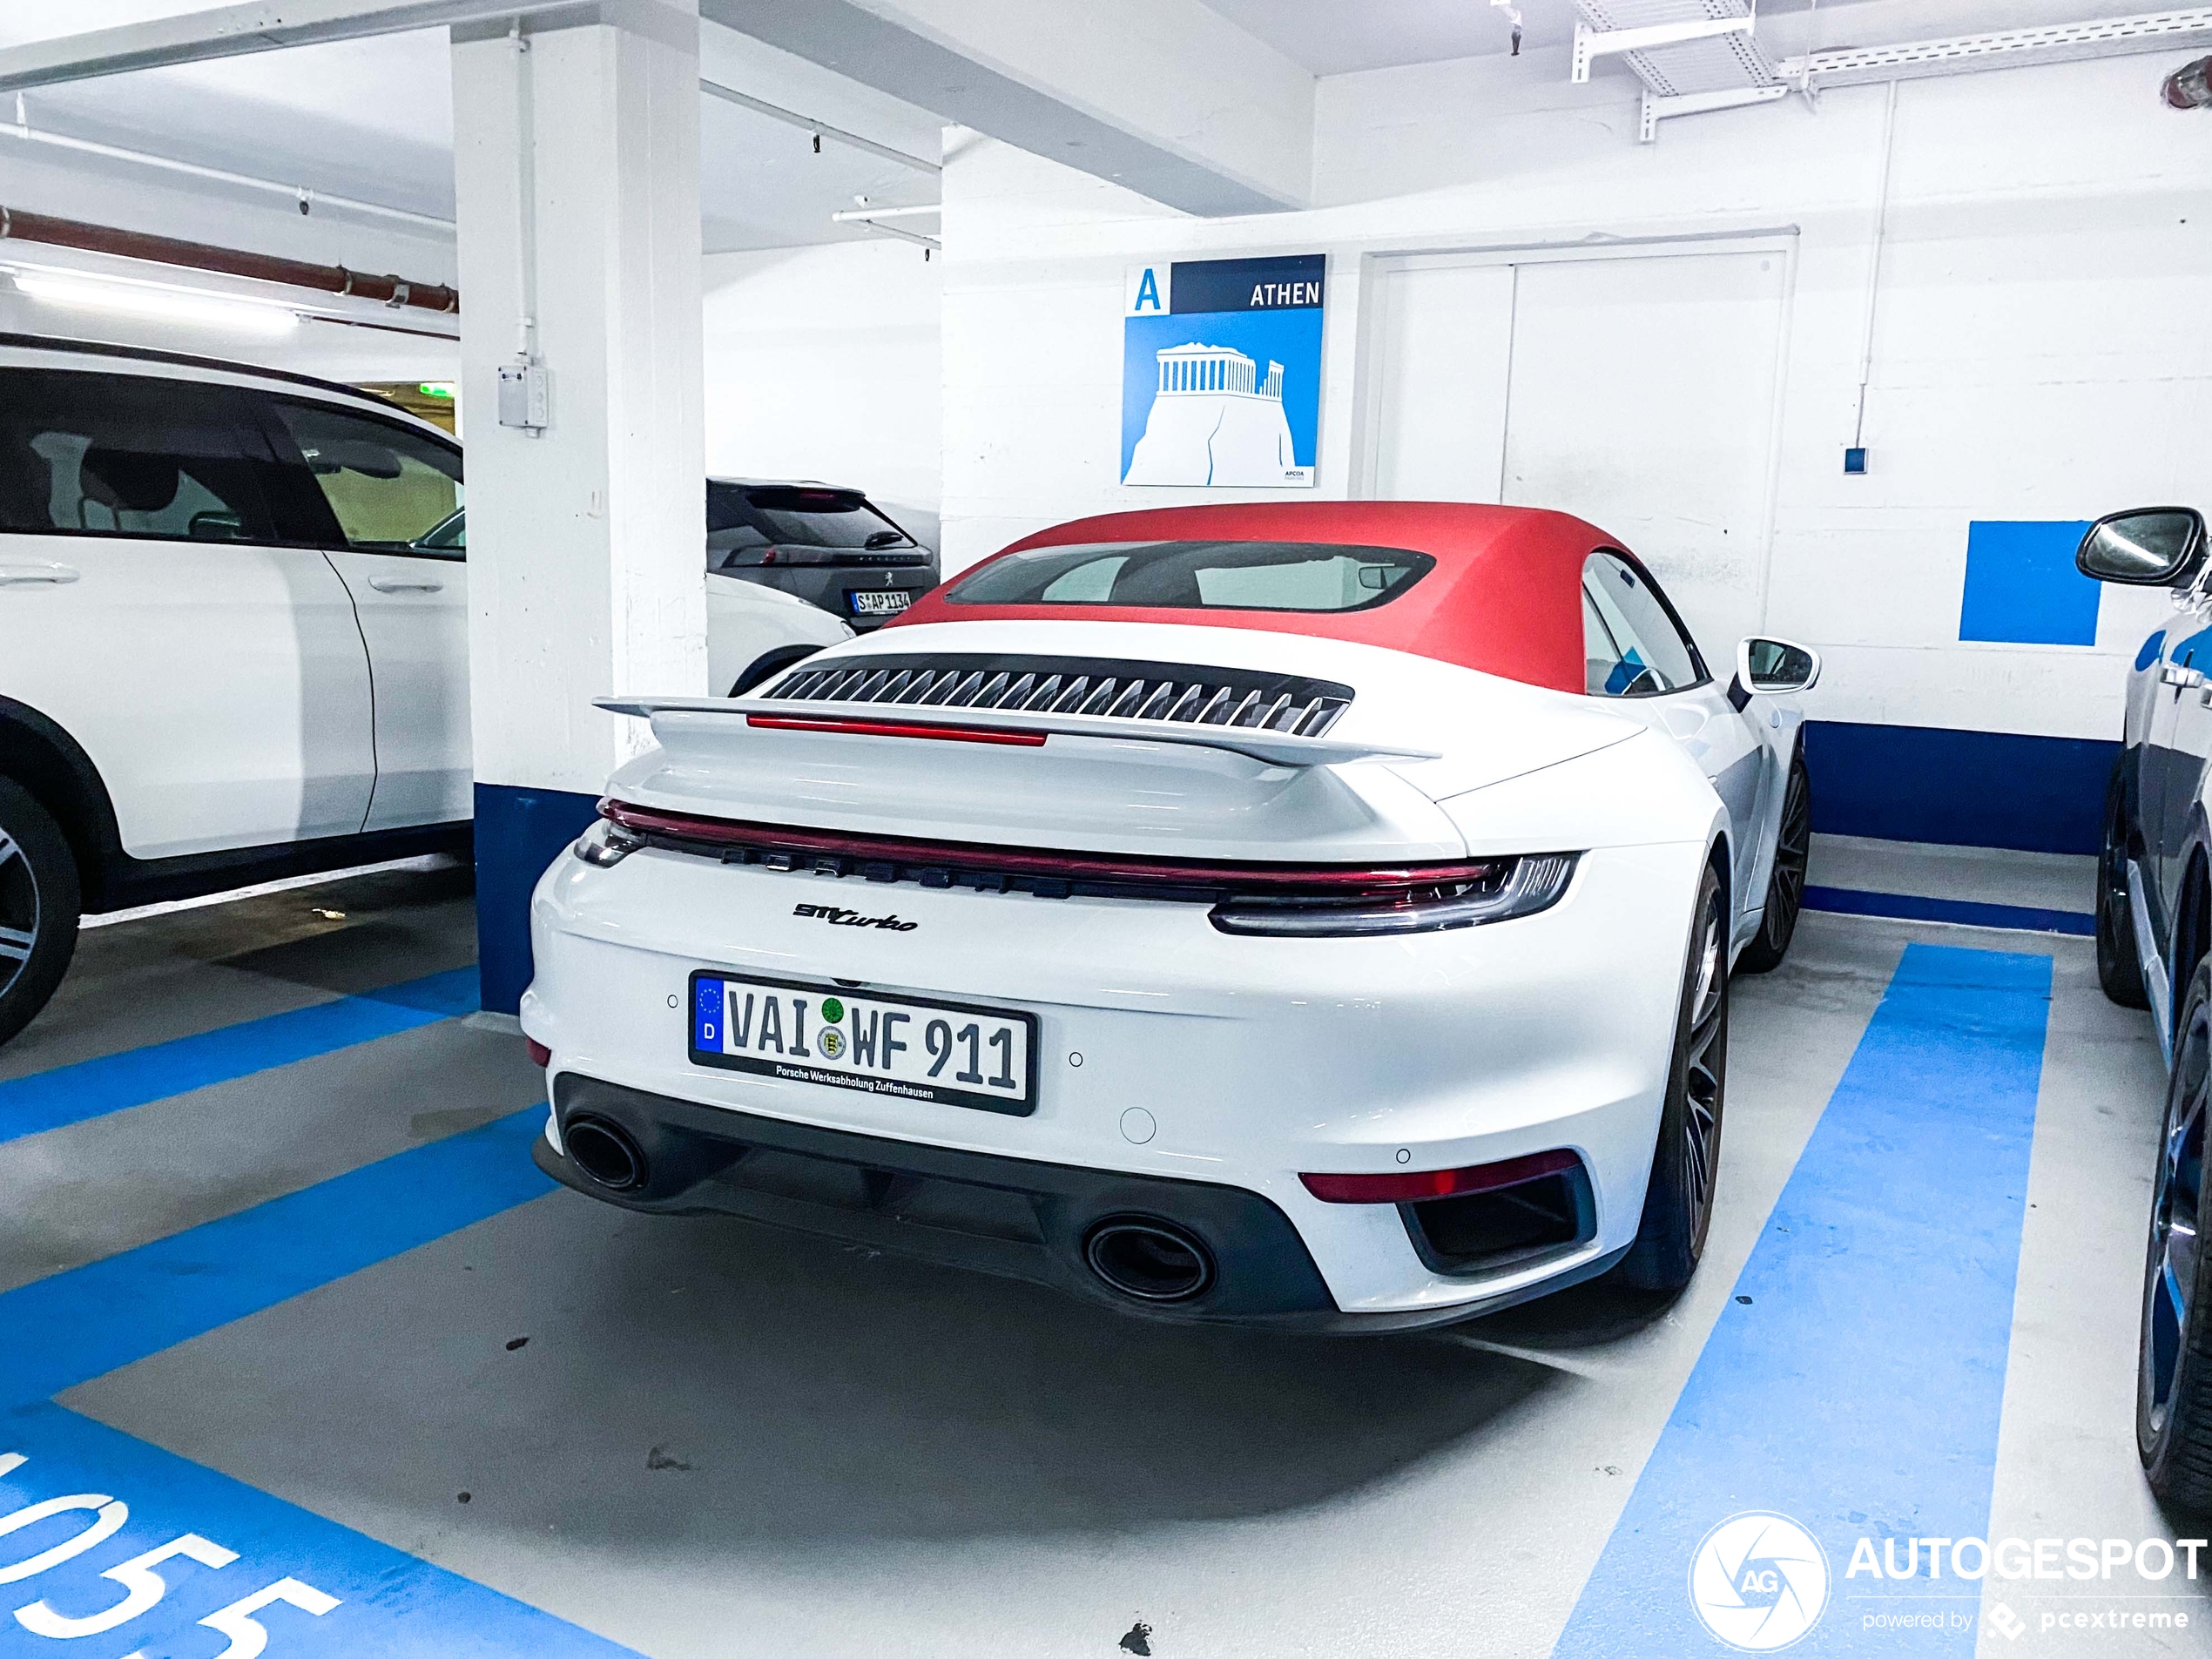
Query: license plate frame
[[803, 1069], [855, 597]]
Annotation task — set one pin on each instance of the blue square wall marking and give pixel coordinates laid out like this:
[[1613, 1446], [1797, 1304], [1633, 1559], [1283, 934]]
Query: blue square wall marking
[[2022, 586]]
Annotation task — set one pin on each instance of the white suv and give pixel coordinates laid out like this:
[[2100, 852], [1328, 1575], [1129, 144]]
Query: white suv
[[232, 646]]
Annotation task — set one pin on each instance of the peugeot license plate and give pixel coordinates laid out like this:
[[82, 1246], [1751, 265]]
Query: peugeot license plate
[[949, 1054], [880, 601]]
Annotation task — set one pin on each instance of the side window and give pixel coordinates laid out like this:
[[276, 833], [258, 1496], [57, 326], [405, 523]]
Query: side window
[[1630, 634], [115, 455], [392, 490]]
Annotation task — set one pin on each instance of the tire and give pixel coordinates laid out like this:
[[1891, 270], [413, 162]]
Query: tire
[[1785, 886], [1678, 1198], [2173, 1350], [39, 903], [770, 663], [2119, 966]]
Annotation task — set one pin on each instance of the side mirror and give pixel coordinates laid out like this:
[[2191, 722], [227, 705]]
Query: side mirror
[[1776, 667], [2150, 547]]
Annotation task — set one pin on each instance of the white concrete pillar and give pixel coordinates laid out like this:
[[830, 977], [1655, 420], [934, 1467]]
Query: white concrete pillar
[[576, 166]]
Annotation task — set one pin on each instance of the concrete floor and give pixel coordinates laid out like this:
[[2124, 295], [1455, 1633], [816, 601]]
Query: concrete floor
[[273, 1271]]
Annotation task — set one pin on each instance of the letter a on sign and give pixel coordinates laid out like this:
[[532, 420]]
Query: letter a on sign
[[1142, 294]]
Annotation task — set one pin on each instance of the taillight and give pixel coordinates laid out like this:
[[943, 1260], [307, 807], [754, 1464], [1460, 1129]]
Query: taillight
[[606, 843], [1498, 892], [1414, 1185], [541, 1056]]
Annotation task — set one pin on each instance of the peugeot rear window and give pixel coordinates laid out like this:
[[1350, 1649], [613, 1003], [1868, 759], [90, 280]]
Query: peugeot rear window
[[740, 516], [1198, 576]]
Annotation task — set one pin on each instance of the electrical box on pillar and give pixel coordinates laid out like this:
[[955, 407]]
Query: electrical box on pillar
[[525, 399]]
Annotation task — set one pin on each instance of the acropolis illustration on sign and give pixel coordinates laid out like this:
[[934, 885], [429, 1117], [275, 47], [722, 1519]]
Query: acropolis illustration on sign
[[1216, 421]]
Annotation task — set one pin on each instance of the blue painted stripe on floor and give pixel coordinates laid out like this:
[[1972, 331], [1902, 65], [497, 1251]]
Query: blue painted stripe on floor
[[1913, 906], [1859, 1392], [79, 1325], [93, 1318], [114, 1082]]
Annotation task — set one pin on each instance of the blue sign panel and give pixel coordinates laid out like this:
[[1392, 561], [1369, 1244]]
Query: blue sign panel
[[1221, 373]]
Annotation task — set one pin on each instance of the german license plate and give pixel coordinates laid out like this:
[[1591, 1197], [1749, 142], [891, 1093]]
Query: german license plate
[[947, 1054], [880, 601]]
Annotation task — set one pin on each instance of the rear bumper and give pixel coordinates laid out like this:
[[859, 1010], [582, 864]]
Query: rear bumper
[[1013, 1217]]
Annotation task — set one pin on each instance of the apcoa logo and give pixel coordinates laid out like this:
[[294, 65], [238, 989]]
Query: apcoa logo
[[838, 918], [1759, 1582]]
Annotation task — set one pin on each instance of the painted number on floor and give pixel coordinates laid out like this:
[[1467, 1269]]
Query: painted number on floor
[[142, 1579]]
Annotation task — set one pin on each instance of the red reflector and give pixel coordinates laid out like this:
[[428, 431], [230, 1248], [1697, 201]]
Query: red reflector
[[901, 729], [1414, 1185], [541, 1056]]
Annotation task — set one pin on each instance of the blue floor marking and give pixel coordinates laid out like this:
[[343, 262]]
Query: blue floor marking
[[114, 1082], [1859, 1393], [1964, 912], [83, 1323]]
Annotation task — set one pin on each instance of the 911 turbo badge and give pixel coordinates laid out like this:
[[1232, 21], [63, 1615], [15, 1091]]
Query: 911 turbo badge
[[838, 918]]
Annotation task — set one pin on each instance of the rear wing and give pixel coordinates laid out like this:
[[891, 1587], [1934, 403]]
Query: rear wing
[[1011, 727]]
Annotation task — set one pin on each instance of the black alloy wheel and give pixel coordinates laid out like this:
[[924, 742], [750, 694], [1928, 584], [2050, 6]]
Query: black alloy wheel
[[2173, 1357], [1678, 1199], [2119, 966], [38, 907], [1786, 888]]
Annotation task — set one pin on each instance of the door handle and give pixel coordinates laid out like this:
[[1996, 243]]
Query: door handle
[[15, 575], [406, 584], [2183, 679]]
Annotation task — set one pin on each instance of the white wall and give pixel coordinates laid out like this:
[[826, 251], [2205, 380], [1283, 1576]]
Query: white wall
[[823, 362], [2039, 350]]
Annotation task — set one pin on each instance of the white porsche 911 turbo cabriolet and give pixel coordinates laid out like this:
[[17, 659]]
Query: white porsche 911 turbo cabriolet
[[1317, 915]]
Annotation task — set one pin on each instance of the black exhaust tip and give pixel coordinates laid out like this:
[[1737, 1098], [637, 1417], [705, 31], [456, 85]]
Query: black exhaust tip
[[605, 1151], [1151, 1260]]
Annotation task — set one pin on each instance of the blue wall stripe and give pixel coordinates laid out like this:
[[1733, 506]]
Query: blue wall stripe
[[79, 1325], [1965, 912], [519, 832], [1859, 1392], [1911, 783], [114, 1082]]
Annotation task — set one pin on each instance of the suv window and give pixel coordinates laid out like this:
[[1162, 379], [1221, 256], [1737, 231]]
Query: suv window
[[118, 455], [391, 489], [743, 518], [1632, 644]]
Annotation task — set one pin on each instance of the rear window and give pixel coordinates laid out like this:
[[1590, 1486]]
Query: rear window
[[1198, 576], [740, 517]]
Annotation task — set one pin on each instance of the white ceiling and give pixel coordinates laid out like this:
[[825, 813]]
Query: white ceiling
[[1334, 38], [374, 119]]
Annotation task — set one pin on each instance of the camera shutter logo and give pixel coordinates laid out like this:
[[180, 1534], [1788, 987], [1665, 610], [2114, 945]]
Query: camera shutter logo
[[1759, 1582]]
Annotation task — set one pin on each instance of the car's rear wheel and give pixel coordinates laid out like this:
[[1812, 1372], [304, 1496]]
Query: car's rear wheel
[[1786, 888], [2173, 1357], [39, 901], [2120, 967], [1678, 1199]]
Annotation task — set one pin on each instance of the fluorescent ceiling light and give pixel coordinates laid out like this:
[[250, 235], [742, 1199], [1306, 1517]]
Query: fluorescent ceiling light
[[93, 292]]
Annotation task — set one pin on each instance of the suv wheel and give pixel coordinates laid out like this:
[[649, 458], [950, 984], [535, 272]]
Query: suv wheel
[[39, 903], [2120, 970], [2173, 1357]]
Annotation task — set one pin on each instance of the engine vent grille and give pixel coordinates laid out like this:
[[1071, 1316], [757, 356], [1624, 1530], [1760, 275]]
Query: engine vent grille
[[1112, 687]]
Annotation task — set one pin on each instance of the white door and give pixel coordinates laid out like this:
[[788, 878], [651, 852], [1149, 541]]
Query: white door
[[389, 497], [1441, 337], [1636, 653], [1642, 399], [217, 683]]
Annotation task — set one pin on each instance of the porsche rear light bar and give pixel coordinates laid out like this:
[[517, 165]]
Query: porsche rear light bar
[[1310, 900], [1415, 1186]]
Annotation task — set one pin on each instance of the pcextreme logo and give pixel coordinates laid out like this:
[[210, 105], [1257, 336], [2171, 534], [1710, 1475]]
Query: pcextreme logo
[[1759, 1582]]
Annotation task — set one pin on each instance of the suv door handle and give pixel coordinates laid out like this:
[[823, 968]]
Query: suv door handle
[[406, 584], [12, 574]]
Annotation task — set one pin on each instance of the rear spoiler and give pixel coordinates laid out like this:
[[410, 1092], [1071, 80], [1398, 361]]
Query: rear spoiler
[[1274, 748]]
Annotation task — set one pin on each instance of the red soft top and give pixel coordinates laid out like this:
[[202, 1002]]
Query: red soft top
[[1505, 596]]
